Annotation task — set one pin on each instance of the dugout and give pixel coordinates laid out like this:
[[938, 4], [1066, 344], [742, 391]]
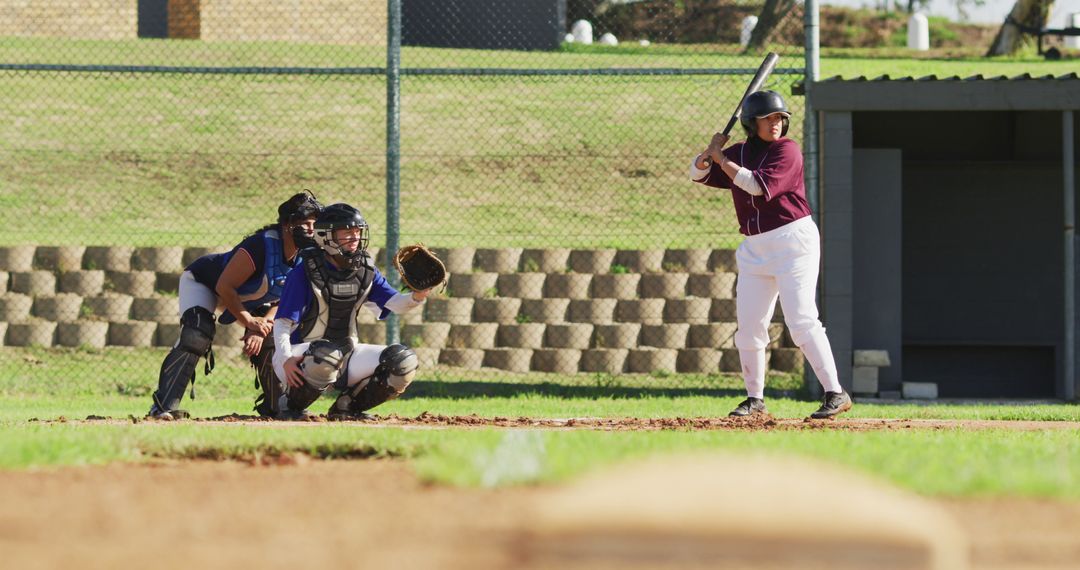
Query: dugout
[[946, 209]]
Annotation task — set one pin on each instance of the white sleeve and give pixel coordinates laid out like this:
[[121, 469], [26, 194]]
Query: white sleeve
[[744, 179], [403, 302], [282, 345], [697, 174]]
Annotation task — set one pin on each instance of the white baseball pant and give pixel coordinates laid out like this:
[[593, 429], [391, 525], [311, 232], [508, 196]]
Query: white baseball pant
[[781, 263]]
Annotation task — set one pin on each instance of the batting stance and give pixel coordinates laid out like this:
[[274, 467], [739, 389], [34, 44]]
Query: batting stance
[[781, 251], [247, 282], [315, 333]]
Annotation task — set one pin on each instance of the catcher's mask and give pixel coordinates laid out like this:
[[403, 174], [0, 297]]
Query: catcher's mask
[[762, 104], [338, 217], [301, 206]]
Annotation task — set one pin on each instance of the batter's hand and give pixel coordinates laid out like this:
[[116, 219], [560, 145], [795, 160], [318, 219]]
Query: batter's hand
[[293, 376], [717, 144]]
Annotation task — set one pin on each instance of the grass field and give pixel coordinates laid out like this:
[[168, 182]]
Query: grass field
[[529, 161]]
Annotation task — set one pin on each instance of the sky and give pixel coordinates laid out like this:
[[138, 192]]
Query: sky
[[991, 12]]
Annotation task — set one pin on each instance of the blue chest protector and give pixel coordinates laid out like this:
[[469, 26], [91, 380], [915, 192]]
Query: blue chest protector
[[271, 282]]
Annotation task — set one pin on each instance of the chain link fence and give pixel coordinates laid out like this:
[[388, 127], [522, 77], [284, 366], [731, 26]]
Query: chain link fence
[[548, 167]]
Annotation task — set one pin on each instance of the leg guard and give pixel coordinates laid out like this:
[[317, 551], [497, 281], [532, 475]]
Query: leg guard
[[196, 340], [397, 366], [323, 362], [267, 381]]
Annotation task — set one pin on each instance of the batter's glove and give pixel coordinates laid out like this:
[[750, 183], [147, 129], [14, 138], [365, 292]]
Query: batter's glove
[[419, 268]]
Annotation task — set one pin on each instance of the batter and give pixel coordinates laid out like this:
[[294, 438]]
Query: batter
[[781, 252]]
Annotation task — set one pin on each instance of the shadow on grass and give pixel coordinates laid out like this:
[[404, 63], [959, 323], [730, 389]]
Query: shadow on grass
[[463, 390]]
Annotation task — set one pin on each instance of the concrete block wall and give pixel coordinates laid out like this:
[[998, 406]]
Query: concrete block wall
[[99, 19], [498, 310]]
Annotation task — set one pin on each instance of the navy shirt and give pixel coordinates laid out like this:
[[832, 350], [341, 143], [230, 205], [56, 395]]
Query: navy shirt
[[208, 268], [298, 295], [778, 169]]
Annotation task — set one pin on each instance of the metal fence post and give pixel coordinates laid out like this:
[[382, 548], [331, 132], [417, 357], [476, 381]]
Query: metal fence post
[[393, 154]]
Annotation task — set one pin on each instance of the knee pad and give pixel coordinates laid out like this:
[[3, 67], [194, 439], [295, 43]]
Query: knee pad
[[397, 365], [196, 331], [323, 362]]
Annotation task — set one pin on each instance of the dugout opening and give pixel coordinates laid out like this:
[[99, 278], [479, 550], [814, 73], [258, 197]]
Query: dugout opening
[[942, 209]]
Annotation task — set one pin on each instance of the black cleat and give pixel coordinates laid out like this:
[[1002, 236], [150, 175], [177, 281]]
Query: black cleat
[[748, 407], [348, 416], [833, 404], [288, 415], [157, 413]]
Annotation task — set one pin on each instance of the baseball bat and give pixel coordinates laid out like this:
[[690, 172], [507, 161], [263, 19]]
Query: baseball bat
[[762, 74]]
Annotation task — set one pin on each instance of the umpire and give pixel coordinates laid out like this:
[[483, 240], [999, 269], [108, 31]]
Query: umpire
[[315, 335]]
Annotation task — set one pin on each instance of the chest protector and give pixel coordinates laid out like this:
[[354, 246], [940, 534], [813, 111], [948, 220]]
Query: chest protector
[[265, 288], [338, 297]]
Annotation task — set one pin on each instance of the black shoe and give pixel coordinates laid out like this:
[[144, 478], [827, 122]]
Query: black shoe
[[157, 413], [749, 406], [348, 416], [294, 415], [834, 403]]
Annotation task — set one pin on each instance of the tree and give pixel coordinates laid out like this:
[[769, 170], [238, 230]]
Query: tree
[[772, 13], [1026, 16]]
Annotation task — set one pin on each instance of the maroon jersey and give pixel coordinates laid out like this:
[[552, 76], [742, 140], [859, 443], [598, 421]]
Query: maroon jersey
[[778, 169]]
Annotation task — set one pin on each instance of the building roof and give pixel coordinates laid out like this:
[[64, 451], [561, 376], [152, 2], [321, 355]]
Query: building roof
[[932, 93]]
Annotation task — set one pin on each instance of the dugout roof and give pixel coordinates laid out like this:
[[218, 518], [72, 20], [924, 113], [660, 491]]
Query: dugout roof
[[933, 93]]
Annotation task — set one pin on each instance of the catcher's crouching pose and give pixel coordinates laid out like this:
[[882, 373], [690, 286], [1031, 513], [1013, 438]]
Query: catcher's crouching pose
[[315, 336]]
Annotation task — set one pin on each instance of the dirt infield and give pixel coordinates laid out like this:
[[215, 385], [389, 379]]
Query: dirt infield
[[753, 423], [371, 514]]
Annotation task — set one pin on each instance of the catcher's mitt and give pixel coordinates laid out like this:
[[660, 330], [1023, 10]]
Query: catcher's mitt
[[419, 267]]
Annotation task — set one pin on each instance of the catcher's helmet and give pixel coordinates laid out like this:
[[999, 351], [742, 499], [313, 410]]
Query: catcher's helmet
[[762, 104], [299, 206], [336, 217]]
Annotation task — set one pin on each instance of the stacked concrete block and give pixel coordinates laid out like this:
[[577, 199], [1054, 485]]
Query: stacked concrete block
[[648, 360], [664, 285], [111, 307], [470, 358], [167, 334], [509, 359], [474, 285], [33, 283], [111, 258], [705, 360], [550, 260], [722, 311], [82, 282], [132, 333], [618, 335], [458, 259], [687, 260], [645, 311], [616, 285], [559, 360], [787, 360], [64, 307], [167, 281], [3, 332], [504, 260], [712, 335], [134, 283], [729, 360], [157, 309], [522, 285], [426, 335], [640, 261], [5, 278], [672, 335], [568, 285], [594, 311], [523, 335], [59, 258], [865, 365], [453, 310], [609, 360], [428, 357], [31, 333], [17, 258], [687, 310], [93, 334], [722, 261], [15, 307], [545, 310], [497, 310], [568, 335], [712, 285], [473, 335], [592, 260]]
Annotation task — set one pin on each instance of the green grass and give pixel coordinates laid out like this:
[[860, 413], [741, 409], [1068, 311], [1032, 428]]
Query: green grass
[[525, 161]]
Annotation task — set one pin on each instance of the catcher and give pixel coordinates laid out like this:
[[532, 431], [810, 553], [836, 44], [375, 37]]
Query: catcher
[[315, 337]]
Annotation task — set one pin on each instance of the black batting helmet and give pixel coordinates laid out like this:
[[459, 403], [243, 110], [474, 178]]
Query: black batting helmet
[[762, 104]]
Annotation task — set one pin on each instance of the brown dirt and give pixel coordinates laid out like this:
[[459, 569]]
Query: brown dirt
[[372, 514], [753, 423]]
